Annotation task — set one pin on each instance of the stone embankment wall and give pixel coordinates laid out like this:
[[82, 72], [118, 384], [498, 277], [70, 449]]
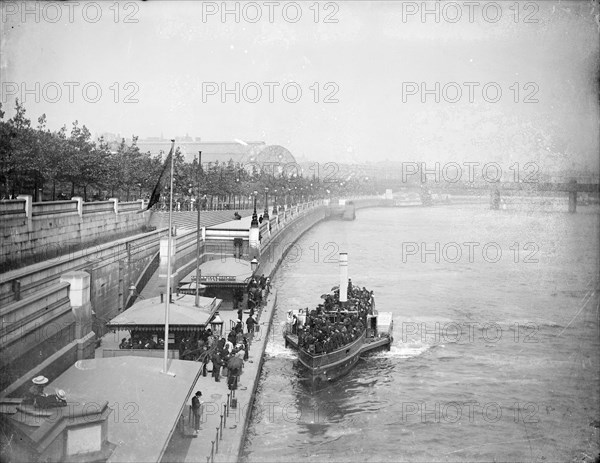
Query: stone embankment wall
[[36, 232], [37, 330]]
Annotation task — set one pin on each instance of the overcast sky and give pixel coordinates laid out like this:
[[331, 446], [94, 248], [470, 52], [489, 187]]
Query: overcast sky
[[544, 55]]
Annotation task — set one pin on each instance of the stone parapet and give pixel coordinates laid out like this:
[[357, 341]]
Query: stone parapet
[[33, 232]]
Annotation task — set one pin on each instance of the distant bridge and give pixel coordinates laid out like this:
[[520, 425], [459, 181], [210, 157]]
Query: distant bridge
[[569, 187], [496, 188]]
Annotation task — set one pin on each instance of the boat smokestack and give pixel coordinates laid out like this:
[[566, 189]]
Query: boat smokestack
[[343, 277]]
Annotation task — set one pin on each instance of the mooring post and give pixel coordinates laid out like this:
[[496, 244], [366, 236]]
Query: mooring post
[[495, 199], [573, 197]]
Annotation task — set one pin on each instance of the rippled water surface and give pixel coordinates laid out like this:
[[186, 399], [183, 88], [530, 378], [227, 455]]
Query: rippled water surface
[[495, 356]]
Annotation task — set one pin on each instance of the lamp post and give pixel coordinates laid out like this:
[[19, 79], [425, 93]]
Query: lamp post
[[198, 233], [266, 213], [254, 222], [217, 325], [275, 211], [132, 294]]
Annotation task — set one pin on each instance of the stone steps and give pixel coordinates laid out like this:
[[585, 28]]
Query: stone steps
[[188, 220]]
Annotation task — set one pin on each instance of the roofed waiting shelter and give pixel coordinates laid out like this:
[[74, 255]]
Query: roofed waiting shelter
[[145, 320], [221, 273], [219, 278]]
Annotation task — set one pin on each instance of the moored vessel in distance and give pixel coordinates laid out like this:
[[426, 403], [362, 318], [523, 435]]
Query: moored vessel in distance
[[331, 338]]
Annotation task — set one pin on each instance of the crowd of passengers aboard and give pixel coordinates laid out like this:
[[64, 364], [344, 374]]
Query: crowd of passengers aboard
[[331, 325]]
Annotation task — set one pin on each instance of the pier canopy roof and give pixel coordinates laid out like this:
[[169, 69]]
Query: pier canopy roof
[[223, 273], [135, 388], [149, 314]]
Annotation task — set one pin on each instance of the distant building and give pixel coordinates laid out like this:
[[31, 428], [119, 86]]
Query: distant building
[[251, 154], [110, 137]]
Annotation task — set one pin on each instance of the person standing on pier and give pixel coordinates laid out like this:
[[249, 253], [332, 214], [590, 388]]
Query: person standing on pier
[[196, 409], [250, 322], [216, 361]]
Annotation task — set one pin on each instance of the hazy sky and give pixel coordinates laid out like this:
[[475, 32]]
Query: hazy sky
[[172, 58]]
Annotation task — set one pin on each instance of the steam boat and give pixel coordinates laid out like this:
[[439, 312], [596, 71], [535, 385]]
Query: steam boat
[[364, 328]]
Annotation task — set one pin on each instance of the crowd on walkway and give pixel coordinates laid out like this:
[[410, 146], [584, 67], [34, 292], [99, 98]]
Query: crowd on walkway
[[237, 343], [258, 289], [333, 325]]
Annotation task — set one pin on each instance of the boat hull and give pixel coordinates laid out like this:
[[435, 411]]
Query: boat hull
[[325, 368]]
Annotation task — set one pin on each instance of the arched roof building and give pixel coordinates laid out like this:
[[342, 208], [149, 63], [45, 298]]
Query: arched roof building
[[274, 159], [257, 154]]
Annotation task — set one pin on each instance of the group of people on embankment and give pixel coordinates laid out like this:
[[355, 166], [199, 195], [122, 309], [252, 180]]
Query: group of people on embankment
[[237, 343], [228, 355]]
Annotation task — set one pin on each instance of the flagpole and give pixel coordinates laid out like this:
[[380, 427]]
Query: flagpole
[[198, 234], [165, 365]]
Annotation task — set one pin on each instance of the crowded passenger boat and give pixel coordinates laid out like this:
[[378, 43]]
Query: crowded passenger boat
[[331, 326], [331, 338]]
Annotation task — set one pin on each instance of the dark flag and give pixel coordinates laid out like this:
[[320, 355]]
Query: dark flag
[[155, 197]]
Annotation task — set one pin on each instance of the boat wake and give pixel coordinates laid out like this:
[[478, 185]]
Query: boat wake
[[408, 349], [275, 349], [404, 350]]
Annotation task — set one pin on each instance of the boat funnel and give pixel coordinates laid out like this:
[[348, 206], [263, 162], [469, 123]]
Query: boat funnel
[[343, 277]]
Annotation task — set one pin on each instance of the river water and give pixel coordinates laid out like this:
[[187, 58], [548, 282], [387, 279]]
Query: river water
[[496, 340]]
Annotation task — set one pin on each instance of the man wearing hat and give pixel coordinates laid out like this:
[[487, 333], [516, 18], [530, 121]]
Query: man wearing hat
[[197, 409], [36, 391], [38, 398]]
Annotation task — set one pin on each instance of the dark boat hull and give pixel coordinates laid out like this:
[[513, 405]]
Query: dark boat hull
[[329, 367]]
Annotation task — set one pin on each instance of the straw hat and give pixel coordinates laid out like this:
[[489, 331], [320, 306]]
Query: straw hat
[[61, 394], [40, 380]]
